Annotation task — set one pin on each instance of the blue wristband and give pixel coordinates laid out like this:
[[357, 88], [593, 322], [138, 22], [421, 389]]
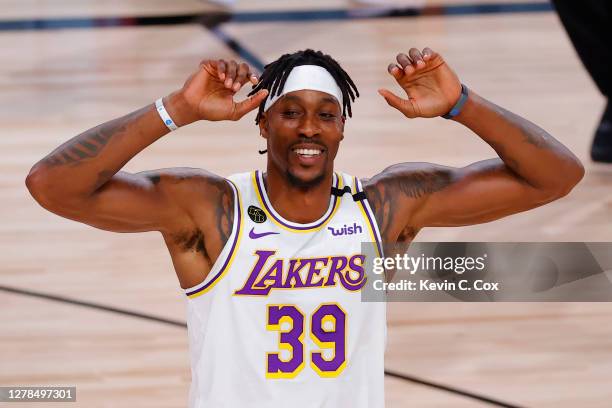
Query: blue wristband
[[459, 105]]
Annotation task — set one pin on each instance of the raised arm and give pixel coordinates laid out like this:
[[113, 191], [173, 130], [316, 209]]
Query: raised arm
[[81, 180], [532, 169]]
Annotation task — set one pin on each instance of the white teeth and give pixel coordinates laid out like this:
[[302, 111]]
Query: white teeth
[[308, 152]]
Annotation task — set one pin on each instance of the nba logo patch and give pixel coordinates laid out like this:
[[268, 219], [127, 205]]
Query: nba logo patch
[[256, 214]]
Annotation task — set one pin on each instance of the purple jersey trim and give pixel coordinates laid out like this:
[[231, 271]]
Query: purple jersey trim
[[295, 226]]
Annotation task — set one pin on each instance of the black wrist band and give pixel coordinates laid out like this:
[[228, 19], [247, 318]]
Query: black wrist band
[[459, 105]]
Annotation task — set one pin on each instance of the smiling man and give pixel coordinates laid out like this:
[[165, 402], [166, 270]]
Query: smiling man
[[271, 261]]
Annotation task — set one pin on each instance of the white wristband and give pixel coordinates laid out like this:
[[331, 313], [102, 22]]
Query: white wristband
[[163, 114]]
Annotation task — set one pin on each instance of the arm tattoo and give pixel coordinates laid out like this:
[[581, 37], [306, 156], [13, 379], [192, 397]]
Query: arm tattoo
[[89, 144], [416, 184], [381, 206], [225, 211], [398, 183], [532, 133], [222, 199]]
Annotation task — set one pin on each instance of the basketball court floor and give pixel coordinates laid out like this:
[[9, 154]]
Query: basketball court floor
[[104, 311]]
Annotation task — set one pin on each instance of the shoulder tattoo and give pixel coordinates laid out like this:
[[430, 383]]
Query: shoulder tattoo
[[389, 191], [220, 197]]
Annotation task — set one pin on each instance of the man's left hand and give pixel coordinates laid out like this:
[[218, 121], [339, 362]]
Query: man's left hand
[[430, 84]]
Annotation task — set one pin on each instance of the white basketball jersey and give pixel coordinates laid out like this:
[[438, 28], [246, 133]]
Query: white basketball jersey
[[279, 320]]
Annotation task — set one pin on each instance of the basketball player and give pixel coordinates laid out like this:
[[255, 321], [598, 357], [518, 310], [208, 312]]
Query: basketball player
[[270, 260]]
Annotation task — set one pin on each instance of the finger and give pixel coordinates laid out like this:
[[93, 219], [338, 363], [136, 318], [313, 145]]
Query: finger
[[253, 78], [398, 103], [417, 58], [232, 67], [396, 71], [405, 62], [243, 107], [428, 54], [241, 77], [392, 99], [221, 69], [209, 66]]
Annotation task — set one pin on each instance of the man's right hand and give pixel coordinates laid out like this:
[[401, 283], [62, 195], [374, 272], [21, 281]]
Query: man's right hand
[[209, 92]]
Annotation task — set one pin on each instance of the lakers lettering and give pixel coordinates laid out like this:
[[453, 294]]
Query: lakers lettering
[[277, 273]]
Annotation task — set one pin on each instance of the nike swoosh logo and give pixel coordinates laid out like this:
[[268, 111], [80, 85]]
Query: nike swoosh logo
[[254, 235]]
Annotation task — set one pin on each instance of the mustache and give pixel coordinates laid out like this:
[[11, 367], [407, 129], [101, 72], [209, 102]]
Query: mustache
[[306, 140]]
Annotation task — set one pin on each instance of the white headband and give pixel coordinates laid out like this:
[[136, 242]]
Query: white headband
[[312, 77]]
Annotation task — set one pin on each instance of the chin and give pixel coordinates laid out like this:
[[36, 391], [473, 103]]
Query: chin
[[306, 179]]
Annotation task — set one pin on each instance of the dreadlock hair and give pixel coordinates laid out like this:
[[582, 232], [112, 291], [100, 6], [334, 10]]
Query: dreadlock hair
[[275, 75]]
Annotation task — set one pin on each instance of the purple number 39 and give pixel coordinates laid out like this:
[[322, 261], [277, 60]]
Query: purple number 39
[[327, 330]]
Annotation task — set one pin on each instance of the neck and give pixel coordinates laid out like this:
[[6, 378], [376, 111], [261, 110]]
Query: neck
[[297, 204]]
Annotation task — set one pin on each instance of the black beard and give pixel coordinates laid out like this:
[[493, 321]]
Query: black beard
[[305, 185]]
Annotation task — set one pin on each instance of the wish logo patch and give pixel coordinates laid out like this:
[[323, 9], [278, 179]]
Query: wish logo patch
[[345, 229]]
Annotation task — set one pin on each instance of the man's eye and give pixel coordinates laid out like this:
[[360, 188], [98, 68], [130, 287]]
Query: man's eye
[[290, 113], [328, 115]]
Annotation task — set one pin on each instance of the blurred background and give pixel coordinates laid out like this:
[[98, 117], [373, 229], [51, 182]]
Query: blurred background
[[68, 65]]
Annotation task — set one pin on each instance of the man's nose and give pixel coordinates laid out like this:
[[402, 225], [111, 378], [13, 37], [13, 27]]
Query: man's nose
[[309, 126]]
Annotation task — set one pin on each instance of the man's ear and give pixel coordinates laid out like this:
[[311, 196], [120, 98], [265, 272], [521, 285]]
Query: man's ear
[[343, 121], [263, 125]]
